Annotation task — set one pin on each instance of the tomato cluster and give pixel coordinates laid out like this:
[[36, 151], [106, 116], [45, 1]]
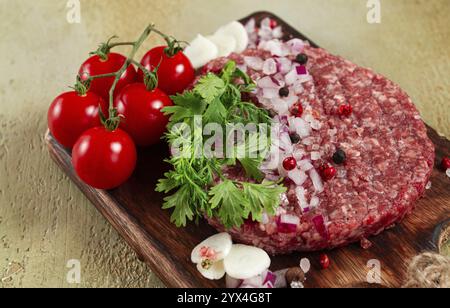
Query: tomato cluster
[[104, 155]]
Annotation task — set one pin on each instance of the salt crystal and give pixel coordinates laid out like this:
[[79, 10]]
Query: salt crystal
[[448, 172]]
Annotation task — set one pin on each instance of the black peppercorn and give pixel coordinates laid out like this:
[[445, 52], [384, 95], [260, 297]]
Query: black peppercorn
[[284, 92], [302, 59], [295, 138], [339, 157]]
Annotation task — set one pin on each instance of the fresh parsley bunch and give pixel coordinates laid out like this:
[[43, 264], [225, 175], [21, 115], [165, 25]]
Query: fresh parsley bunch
[[198, 184]]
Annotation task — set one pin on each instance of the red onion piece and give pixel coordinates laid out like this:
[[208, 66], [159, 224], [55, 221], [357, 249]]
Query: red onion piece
[[301, 70], [319, 224], [287, 223]]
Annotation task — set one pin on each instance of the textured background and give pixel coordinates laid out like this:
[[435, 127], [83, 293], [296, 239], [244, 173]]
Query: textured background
[[45, 220]]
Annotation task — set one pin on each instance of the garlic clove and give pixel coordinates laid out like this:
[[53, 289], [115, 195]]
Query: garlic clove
[[201, 51], [226, 44], [214, 271], [244, 262], [214, 248], [237, 30]]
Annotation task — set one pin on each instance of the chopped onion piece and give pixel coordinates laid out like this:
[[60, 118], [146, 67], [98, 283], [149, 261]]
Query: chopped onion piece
[[319, 223], [301, 70], [305, 165], [296, 46], [270, 67], [301, 196], [317, 180], [267, 82], [270, 93], [291, 78], [251, 26], [255, 63], [301, 127], [298, 177], [284, 65], [315, 156], [315, 201]]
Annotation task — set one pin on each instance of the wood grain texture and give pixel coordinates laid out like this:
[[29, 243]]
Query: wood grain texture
[[135, 212], [44, 218]]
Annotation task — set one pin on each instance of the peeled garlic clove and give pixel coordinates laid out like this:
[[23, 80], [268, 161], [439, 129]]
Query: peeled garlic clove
[[215, 248], [201, 51], [244, 262], [214, 271], [236, 30], [225, 43]]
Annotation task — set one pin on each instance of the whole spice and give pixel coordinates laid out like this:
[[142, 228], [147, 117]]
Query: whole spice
[[284, 92], [324, 261], [339, 157], [301, 59], [295, 275]]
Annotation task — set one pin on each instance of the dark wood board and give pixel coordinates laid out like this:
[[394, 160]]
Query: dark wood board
[[135, 212]]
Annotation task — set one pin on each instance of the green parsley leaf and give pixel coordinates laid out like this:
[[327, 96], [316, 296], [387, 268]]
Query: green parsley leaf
[[193, 181], [264, 197], [210, 87], [232, 206], [182, 207], [215, 113]]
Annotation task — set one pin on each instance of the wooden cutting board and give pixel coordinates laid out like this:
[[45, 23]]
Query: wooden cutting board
[[135, 212]]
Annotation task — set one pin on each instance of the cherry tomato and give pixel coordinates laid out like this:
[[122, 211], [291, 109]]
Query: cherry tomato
[[175, 73], [104, 159], [96, 66], [141, 109], [71, 114]]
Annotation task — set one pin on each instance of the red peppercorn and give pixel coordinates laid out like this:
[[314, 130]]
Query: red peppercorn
[[273, 23], [289, 164], [324, 261], [345, 110], [445, 163], [297, 110], [327, 172]]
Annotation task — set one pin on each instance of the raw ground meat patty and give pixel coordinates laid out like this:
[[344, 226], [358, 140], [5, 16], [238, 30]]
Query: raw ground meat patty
[[389, 157]]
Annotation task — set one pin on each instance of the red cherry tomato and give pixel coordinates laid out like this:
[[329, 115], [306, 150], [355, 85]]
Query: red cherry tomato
[[141, 109], [96, 66], [104, 159], [175, 73], [71, 114]]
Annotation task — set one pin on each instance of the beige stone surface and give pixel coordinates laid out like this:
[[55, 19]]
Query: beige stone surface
[[45, 220]]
